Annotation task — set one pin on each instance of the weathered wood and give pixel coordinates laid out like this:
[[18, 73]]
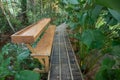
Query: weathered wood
[[31, 33], [30, 48], [47, 64], [64, 65], [44, 46], [38, 70]]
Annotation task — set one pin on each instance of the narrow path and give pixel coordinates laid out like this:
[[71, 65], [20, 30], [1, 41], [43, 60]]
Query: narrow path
[[63, 61]]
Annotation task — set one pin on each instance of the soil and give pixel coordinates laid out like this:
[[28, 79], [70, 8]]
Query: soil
[[9, 78], [4, 38], [44, 76]]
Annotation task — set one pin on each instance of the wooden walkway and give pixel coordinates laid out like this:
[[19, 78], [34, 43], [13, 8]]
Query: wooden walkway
[[63, 61]]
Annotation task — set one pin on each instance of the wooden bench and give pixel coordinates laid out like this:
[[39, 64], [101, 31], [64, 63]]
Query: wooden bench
[[43, 48]]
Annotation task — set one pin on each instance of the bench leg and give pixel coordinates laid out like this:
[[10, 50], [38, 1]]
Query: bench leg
[[47, 64], [44, 60], [41, 61], [30, 48]]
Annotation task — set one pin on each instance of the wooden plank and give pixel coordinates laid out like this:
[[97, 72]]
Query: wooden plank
[[47, 64], [44, 46], [44, 60], [30, 33]]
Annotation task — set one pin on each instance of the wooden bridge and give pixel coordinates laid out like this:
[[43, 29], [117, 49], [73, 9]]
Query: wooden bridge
[[54, 50], [64, 65]]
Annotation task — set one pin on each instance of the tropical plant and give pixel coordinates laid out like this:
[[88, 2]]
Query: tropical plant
[[95, 26], [18, 14], [15, 62]]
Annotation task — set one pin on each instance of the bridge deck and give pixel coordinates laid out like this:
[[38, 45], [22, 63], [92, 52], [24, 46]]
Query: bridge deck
[[64, 65]]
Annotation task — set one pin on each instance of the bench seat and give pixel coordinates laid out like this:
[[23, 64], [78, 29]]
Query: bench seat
[[43, 49], [44, 46]]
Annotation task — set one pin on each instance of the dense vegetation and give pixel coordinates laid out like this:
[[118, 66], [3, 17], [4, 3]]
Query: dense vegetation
[[94, 27], [15, 60]]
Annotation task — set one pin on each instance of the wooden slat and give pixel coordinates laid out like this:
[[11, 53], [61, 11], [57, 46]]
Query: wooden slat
[[30, 33], [44, 46]]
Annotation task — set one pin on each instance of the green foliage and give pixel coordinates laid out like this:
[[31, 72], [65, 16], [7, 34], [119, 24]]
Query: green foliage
[[14, 59], [93, 38], [22, 56], [95, 26], [106, 72], [108, 63], [116, 50], [22, 13], [95, 12], [110, 4], [87, 37], [4, 68], [115, 14], [27, 75], [70, 1]]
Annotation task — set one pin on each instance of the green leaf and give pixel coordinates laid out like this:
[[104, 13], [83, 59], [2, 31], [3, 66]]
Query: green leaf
[[93, 38], [89, 1], [71, 1], [108, 74], [115, 14], [27, 75], [1, 57], [116, 42], [84, 17], [65, 1], [113, 4], [96, 12], [113, 22], [73, 25], [4, 68], [116, 73], [108, 62], [23, 55], [116, 51], [98, 35], [98, 39], [100, 75], [87, 37]]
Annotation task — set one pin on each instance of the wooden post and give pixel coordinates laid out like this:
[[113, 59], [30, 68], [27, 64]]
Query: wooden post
[[30, 48], [46, 63]]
